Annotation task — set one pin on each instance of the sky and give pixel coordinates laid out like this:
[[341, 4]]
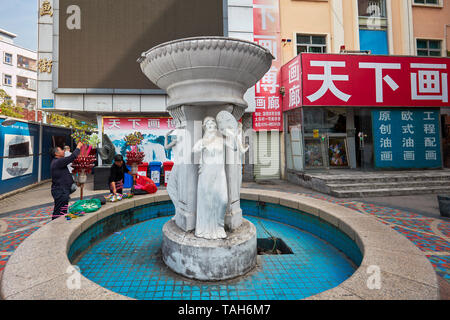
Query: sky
[[20, 18]]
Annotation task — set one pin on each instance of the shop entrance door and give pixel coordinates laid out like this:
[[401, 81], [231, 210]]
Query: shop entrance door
[[364, 139]]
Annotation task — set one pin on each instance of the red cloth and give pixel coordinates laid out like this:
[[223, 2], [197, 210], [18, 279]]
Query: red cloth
[[146, 184]]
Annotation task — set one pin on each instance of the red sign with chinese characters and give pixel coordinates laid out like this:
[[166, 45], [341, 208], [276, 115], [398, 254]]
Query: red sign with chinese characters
[[138, 124], [266, 30], [291, 81], [375, 81]]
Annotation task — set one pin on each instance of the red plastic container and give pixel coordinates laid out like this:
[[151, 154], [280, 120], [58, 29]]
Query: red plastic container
[[168, 165], [142, 169]]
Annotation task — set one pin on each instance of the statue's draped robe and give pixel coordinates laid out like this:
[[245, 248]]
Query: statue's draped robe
[[212, 192]]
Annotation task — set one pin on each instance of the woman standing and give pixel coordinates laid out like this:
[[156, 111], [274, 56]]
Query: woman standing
[[212, 192]]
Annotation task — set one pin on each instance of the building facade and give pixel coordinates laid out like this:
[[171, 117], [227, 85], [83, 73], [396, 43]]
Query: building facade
[[74, 42], [89, 50], [18, 70], [58, 17], [323, 133]]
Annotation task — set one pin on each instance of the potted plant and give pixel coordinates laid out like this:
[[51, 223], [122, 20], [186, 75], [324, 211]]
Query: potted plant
[[84, 163], [134, 156]]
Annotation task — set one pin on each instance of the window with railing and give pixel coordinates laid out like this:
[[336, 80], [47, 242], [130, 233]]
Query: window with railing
[[372, 14], [26, 63], [372, 8], [26, 83], [25, 102]]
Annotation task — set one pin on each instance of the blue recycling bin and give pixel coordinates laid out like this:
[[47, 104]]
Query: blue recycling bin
[[128, 179], [155, 172]]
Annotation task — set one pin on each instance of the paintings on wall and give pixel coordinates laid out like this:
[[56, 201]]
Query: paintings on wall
[[152, 129]]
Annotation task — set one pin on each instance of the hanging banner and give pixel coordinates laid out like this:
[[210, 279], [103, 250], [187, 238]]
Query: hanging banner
[[153, 130], [292, 84], [406, 138], [266, 33], [374, 81]]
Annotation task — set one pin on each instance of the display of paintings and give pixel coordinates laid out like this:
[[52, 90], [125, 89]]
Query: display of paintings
[[313, 153], [18, 153], [152, 129], [337, 152]]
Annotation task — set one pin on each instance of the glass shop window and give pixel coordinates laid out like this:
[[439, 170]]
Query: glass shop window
[[326, 120]]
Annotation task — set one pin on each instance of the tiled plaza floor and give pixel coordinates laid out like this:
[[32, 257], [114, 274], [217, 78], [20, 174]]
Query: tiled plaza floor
[[432, 236]]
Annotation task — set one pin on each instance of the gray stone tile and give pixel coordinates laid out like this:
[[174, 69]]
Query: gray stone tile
[[392, 287]]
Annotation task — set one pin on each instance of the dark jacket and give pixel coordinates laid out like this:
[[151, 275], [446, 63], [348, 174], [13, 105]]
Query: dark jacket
[[61, 176], [117, 173]]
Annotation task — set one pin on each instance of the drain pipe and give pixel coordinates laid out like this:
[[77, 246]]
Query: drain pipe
[[446, 40], [40, 152]]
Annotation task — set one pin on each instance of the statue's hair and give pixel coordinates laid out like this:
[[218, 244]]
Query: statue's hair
[[208, 119]]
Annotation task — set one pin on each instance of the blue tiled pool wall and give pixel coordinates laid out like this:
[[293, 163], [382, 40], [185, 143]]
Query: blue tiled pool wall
[[293, 217], [116, 222], [307, 222]]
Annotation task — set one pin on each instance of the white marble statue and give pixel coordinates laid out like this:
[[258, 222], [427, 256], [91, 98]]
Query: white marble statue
[[177, 148], [212, 195], [241, 152], [232, 130]]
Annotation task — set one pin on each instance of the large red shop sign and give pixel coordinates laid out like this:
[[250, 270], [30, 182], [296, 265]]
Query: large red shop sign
[[366, 80], [266, 30]]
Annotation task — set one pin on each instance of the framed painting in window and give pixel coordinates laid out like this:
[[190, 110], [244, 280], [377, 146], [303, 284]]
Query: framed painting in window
[[313, 153], [337, 152]]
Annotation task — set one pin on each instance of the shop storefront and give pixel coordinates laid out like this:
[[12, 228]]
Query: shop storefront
[[267, 118], [364, 112]]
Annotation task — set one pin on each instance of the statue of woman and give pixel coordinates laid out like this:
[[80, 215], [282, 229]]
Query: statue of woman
[[177, 147], [242, 151], [232, 130], [212, 195]]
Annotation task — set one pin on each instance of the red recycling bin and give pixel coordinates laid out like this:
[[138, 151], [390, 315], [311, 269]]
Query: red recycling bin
[[142, 169], [167, 169]]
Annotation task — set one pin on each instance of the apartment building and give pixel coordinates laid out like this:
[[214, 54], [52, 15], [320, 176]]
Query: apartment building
[[18, 70], [312, 132]]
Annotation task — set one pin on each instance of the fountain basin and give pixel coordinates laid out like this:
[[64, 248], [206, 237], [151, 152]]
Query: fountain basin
[[206, 70], [40, 267]]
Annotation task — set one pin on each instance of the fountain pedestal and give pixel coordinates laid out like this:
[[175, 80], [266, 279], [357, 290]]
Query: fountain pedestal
[[205, 77], [204, 259]]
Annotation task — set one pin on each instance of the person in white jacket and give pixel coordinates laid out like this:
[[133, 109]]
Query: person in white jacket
[[66, 154]]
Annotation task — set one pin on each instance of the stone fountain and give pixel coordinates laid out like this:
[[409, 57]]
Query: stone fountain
[[206, 79]]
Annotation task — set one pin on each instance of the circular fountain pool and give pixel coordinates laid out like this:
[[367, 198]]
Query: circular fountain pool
[[123, 254], [117, 250]]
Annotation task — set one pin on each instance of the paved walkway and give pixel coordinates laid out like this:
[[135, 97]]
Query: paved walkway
[[415, 217]]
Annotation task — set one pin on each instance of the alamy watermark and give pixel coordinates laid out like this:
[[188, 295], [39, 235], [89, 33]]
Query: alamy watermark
[[374, 279], [73, 282]]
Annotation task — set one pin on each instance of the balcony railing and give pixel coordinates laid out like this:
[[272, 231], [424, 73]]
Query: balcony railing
[[372, 8]]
